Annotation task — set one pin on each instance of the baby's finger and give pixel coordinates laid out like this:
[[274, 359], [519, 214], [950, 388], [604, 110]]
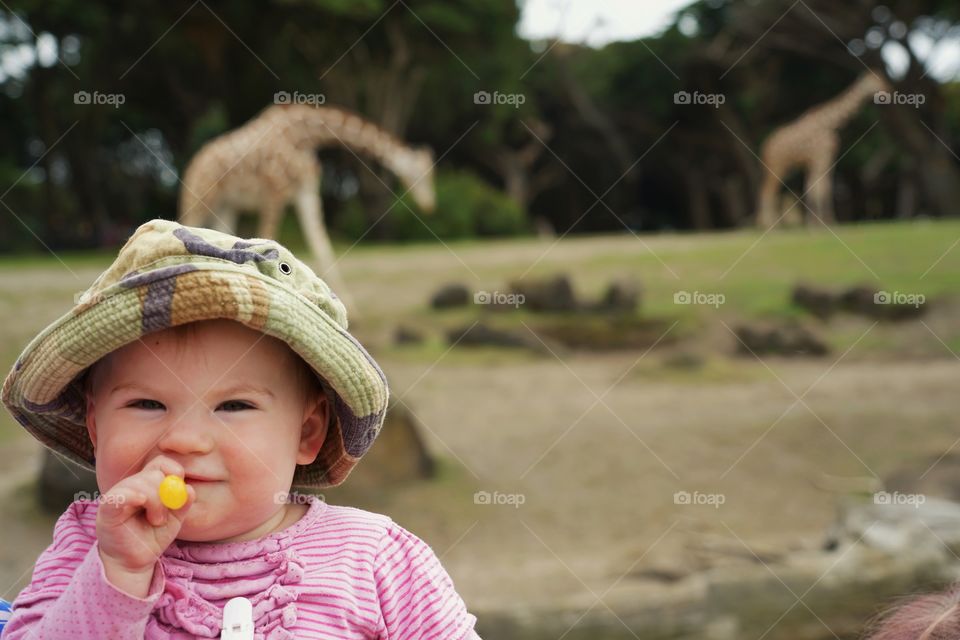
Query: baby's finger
[[166, 466], [119, 504], [148, 482], [173, 519]]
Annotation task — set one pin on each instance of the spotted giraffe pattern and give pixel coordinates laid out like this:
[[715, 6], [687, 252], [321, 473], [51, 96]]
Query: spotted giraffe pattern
[[811, 143], [271, 162]]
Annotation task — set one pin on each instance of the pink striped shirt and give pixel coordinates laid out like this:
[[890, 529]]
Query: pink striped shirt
[[337, 573]]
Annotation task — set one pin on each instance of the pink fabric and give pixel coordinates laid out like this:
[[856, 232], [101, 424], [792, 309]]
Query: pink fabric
[[337, 573]]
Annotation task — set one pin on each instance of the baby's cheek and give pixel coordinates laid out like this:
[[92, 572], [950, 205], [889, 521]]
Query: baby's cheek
[[261, 452], [120, 456]]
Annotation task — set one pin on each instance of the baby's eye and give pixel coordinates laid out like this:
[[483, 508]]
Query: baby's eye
[[146, 404], [234, 405]]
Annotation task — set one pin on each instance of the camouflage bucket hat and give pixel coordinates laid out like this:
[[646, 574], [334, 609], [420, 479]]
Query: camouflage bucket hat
[[168, 274]]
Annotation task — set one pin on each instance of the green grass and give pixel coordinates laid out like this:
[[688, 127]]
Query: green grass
[[757, 280], [755, 272]]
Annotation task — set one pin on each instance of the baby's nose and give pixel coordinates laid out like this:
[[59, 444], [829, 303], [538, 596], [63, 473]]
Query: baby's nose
[[186, 435]]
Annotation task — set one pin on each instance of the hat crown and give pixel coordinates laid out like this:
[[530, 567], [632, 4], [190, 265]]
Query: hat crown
[[160, 246]]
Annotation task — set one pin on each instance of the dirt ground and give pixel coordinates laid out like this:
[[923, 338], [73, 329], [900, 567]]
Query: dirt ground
[[593, 446]]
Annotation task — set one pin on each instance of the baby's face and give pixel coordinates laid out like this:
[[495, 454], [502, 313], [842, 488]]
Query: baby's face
[[224, 401]]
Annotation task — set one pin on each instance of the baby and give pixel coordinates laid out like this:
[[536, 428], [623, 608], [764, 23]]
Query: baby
[[226, 363]]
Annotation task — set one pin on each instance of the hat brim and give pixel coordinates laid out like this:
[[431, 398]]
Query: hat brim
[[44, 392]]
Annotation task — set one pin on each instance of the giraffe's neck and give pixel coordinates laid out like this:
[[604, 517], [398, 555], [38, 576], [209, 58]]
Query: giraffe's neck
[[836, 112], [322, 127]]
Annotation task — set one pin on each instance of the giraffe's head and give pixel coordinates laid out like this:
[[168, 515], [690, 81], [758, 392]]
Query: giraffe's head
[[415, 170], [872, 81]]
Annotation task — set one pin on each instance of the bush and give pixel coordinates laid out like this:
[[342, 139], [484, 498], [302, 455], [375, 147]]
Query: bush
[[467, 207]]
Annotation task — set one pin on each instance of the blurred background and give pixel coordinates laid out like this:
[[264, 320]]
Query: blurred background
[[628, 401]]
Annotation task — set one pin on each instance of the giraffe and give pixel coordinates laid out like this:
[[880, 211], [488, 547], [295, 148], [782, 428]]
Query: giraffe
[[270, 161], [811, 143]]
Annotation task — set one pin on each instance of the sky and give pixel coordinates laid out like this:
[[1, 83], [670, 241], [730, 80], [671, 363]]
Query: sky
[[598, 22]]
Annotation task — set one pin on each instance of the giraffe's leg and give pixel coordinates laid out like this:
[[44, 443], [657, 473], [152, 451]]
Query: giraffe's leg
[[224, 219], [189, 216], [819, 189], [193, 210], [270, 214], [310, 214], [767, 209]]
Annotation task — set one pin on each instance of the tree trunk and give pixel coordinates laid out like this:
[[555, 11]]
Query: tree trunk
[[698, 198], [939, 175]]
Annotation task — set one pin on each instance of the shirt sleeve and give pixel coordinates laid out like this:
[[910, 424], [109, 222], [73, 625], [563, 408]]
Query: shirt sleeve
[[69, 593], [417, 597]]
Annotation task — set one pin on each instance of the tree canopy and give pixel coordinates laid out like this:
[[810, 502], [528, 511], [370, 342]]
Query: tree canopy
[[587, 139]]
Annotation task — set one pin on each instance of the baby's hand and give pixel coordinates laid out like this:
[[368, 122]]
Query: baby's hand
[[134, 527]]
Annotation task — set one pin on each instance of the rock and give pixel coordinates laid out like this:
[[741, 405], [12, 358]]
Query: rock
[[479, 335], [399, 453], [554, 294], [602, 332], [621, 296], [861, 300], [407, 335], [786, 340], [857, 300], [819, 302], [450, 295], [61, 482], [879, 305], [898, 523], [840, 593]]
